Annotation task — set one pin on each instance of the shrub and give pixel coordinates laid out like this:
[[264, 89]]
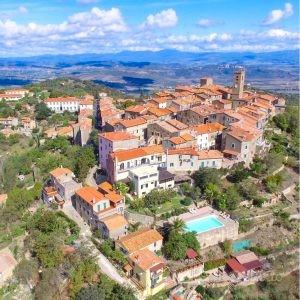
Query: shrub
[[186, 201], [260, 250], [212, 264]]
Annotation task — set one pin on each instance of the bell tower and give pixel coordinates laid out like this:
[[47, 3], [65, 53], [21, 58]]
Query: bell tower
[[238, 84]]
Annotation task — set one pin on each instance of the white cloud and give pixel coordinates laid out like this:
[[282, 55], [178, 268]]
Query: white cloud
[[104, 30], [282, 34], [205, 23], [165, 18], [23, 10], [278, 14]]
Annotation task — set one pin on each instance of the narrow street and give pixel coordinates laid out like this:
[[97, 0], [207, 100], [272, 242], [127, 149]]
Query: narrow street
[[85, 235]]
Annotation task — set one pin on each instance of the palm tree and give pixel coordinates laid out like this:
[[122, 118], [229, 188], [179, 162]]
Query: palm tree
[[178, 226]]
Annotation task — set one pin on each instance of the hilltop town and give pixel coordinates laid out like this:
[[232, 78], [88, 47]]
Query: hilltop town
[[189, 193]]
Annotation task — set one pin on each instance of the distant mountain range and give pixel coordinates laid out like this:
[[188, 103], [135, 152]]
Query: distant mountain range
[[142, 58]]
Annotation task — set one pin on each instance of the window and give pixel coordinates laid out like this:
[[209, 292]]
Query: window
[[246, 147], [122, 166], [128, 164], [232, 145], [213, 163], [171, 164], [152, 157], [202, 164]]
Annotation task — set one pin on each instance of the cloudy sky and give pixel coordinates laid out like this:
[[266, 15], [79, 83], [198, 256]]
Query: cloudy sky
[[31, 27]]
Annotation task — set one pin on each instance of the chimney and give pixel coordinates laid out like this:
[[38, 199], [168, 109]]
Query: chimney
[[94, 200]]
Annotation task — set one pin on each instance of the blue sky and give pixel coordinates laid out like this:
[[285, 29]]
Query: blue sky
[[30, 27]]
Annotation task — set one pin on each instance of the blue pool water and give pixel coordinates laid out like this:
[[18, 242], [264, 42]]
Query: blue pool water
[[241, 245], [204, 224]]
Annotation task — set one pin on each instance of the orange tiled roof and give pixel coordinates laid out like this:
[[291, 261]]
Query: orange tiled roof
[[136, 109], [140, 239], [208, 128], [58, 172], [203, 154], [187, 137], [132, 122], [90, 195], [105, 187], [146, 259], [177, 124], [114, 222], [159, 112], [177, 140], [114, 197], [64, 130], [122, 155], [183, 151], [242, 134], [61, 99], [117, 136]]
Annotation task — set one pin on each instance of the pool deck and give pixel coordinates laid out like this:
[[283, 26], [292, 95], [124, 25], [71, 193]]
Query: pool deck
[[229, 230]]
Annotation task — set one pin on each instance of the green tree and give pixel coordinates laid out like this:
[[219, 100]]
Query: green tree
[[205, 176], [42, 112], [175, 248], [84, 161], [191, 240], [177, 226], [122, 188], [232, 198], [211, 192]]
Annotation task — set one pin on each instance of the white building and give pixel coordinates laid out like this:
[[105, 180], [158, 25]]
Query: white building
[[61, 104], [121, 162], [113, 141], [189, 159], [147, 178], [207, 135]]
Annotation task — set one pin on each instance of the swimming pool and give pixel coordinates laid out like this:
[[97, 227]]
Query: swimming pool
[[204, 224], [241, 245]]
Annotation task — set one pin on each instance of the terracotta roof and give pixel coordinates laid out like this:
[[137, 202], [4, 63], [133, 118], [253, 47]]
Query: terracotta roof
[[62, 99], [117, 136], [58, 172], [187, 137], [241, 134], [235, 265], [208, 128], [160, 99], [178, 140], [191, 253], [90, 195], [132, 122], [123, 155], [136, 109], [177, 124], [183, 151], [203, 154], [146, 259], [251, 265], [50, 190], [86, 102], [64, 130], [114, 197], [105, 187], [159, 112], [245, 256], [114, 222], [139, 240]]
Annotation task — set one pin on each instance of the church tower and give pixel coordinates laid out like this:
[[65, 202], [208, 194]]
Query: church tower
[[238, 84]]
